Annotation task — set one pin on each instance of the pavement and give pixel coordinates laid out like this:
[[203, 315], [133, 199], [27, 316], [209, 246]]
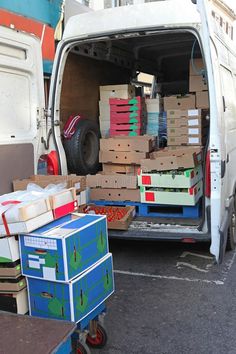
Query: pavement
[[170, 298]]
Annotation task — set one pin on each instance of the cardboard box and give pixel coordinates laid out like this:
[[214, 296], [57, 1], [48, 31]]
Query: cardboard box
[[143, 143], [171, 179], [202, 99], [120, 169], [12, 284], [83, 197], [127, 133], [184, 130], [112, 181], [116, 91], [198, 65], [187, 113], [14, 302], [63, 202], [187, 140], [72, 181], [9, 249], [104, 109], [63, 249], [76, 299], [10, 269], [168, 160], [180, 102], [153, 105], [187, 196], [132, 195], [121, 157], [197, 83], [118, 218]]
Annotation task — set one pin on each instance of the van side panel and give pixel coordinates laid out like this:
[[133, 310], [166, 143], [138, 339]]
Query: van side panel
[[17, 161]]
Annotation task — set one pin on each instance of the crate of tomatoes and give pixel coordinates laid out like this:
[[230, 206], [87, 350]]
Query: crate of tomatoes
[[118, 218]]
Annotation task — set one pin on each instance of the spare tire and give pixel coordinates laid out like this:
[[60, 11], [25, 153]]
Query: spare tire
[[82, 150]]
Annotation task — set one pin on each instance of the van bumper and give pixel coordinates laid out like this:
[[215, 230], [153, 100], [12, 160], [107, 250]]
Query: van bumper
[[160, 235]]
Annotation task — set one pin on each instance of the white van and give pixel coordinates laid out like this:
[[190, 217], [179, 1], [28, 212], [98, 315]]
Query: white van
[[110, 47]]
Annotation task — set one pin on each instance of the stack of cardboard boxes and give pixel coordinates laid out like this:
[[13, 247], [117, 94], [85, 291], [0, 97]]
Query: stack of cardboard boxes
[[121, 156], [127, 116], [68, 268], [13, 292], [198, 84], [107, 92]]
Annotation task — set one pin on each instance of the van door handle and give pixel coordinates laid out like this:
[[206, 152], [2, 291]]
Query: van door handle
[[223, 168]]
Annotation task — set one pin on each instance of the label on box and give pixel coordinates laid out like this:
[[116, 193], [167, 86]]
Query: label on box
[[193, 112], [193, 141], [193, 122], [77, 185], [193, 131]]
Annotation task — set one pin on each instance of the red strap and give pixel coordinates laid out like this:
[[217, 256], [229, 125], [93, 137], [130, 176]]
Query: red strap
[[4, 220]]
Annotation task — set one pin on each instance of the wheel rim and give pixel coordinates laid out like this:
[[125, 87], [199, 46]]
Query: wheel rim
[[95, 340]]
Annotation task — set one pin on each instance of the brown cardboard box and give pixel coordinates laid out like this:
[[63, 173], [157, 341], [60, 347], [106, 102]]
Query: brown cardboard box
[[196, 130], [10, 269], [121, 157], [12, 284], [178, 113], [78, 182], [112, 181], [197, 83], [179, 102], [187, 140], [132, 195], [111, 211], [185, 122], [143, 143], [124, 91], [198, 64], [166, 160], [202, 99], [120, 169]]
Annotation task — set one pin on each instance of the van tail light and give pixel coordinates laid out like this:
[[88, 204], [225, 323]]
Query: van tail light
[[208, 176], [52, 163]]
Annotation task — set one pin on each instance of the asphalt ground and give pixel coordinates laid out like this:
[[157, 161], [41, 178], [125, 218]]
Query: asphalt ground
[[170, 298]]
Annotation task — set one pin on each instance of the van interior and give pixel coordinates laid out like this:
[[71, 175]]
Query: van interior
[[119, 59]]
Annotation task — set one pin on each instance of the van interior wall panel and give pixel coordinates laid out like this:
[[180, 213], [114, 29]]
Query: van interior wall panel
[[80, 88], [16, 161]]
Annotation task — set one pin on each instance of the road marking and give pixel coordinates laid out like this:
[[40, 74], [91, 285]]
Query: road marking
[[184, 254], [192, 266], [156, 276]]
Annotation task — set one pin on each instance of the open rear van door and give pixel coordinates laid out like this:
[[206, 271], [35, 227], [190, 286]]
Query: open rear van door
[[216, 148], [21, 105]]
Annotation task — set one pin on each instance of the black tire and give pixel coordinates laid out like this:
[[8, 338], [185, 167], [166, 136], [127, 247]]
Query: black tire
[[231, 239], [100, 340], [82, 150]]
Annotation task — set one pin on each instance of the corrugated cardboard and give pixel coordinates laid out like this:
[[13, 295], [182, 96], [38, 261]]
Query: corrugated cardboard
[[143, 143], [202, 99], [178, 113], [111, 211], [184, 130], [78, 182], [180, 102], [12, 284], [120, 169], [198, 65], [112, 181], [187, 140], [171, 179], [116, 91], [115, 194], [9, 249], [168, 160], [188, 197], [121, 157], [10, 269], [197, 83], [104, 109]]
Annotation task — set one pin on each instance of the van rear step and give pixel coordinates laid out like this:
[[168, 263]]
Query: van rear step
[[159, 211]]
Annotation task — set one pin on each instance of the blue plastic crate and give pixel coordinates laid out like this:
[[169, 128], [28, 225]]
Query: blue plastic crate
[[75, 300], [64, 248]]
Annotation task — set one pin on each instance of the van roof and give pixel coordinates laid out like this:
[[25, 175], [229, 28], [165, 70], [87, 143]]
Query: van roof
[[163, 13]]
